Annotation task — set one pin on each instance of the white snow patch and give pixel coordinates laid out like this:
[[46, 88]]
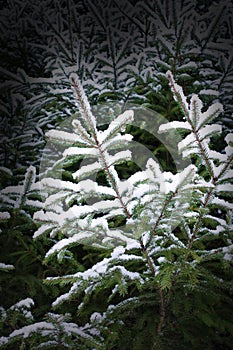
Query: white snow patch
[[6, 266], [174, 125], [225, 188], [74, 151], [227, 257], [90, 168], [222, 203], [229, 138], [78, 237], [28, 302], [4, 215], [161, 259], [117, 252], [27, 330], [126, 273], [209, 92]]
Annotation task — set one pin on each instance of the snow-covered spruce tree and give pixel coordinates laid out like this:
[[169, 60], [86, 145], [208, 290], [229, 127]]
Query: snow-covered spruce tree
[[158, 272]]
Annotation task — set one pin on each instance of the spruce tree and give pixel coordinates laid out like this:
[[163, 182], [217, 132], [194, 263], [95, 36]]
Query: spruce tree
[[158, 255]]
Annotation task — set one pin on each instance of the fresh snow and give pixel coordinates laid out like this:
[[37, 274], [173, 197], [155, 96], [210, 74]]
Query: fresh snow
[[209, 130], [179, 90], [187, 141], [4, 215], [48, 328], [85, 107], [216, 155], [229, 138], [78, 151], [117, 252], [25, 303], [171, 183], [225, 188], [209, 92], [6, 266], [227, 257], [87, 169], [195, 109], [77, 238], [12, 189], [71, 214], [191, 214], [27, 330], [81, 131], [210, 114], [59, 184], [64, 136], [133, 244], [96, 316], [106, 205], [222, 203], [116, 125], [217, 219], [89, 186], [34, 203], [175, 125], [126, 273], [118, 157], [217, 169], [229, 141], [229, 151], [116, 141], [42, 230], [84, 185]]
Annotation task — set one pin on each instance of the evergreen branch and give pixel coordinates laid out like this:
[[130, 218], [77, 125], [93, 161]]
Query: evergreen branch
[[148, 259], [98, 15], [213, 26], [204, 154], [180, 99], [70, 32], [59, 38], [162, 312], [165, 206], [224, 169], [84, 104], [178, 93], [207, 199], [89, 118], [161, 297], [111, 179], [198, 223], [131, 19], [82, 131]]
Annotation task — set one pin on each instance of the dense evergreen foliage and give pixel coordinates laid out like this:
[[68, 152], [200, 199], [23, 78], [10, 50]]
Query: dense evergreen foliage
[[103, 247]]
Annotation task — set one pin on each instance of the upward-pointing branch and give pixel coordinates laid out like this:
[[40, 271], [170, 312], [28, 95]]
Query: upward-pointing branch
[[90, 120]]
